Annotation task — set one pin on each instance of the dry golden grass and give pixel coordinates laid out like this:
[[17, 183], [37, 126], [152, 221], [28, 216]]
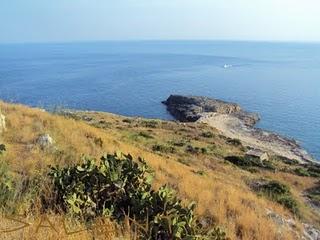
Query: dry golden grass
[[221, 193], [58, 227]]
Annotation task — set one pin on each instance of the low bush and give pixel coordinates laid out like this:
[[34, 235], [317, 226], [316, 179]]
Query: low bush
[[302, 172], [118, 187], [196, 150], [163, 148], [6, 185], [234, 141], [207, 134], [286, 160], [145, 135], [308, 170], [127, 120], [314, 170], [18, 193], [290, 203], [274, 188], [178, 143], [150, 123], [2, 148], [248, 163], [280, 193]]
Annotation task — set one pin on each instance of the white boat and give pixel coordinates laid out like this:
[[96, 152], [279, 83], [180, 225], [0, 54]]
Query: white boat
[[227, 66]]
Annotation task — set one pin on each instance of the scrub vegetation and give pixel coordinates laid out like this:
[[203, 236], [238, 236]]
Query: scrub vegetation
[[200, 179]]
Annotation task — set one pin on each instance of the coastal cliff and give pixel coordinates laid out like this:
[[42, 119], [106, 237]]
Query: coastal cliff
[[232, 121]]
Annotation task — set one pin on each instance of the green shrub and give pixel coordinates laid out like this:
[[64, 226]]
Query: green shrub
[[6, 185], [286, 160], [248, 163], [145, 135], [196, 150], [2, 148], [314, 170], [275, 188], [239, 161], [308, 170], [207, 134], [290, 203], [163, 148], [127, 120], [17, 192], [234, 141], [281, 194], [118, 187], [178, 143], [302, 172], [268, 165], [150, 123], [204, 150]]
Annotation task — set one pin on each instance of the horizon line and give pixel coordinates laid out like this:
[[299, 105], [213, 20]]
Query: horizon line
[[160, 40]]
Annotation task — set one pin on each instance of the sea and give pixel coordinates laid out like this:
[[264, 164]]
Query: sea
[[278, 80]]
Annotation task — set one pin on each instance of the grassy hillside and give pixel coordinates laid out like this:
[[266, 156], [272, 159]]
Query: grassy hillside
[[193, 159]]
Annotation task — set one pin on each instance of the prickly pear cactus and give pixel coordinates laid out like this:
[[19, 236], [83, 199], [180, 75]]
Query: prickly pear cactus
[[118, 187]]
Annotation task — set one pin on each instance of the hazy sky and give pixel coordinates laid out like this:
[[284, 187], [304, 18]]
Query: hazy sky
[[81, 20]]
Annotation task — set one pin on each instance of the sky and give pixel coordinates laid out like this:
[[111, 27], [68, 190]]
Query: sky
[[96, 20]]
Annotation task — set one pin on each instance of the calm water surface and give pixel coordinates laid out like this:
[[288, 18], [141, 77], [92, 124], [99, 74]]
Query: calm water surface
[[281, 81]]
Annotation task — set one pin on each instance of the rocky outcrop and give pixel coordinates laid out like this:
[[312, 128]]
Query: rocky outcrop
[[234, 122], [192, 108], [309, 232]]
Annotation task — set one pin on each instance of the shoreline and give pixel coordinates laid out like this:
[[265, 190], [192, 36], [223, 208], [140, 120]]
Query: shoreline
[[257, 138], [233, 122]]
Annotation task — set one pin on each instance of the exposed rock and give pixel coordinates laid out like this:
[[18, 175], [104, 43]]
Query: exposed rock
[[256, 153], [234, 122], [45, 141], [191, 108], [310, 232], [2, 123], [281, 221]]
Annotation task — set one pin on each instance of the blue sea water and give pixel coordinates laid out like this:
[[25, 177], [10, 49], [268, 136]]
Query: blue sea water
[[281, 81]]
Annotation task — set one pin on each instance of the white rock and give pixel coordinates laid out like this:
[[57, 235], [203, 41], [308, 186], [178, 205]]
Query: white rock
[[311, 233], [45, 141], [2, 123]]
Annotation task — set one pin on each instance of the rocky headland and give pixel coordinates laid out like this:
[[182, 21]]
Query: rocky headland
[[234, 122]]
